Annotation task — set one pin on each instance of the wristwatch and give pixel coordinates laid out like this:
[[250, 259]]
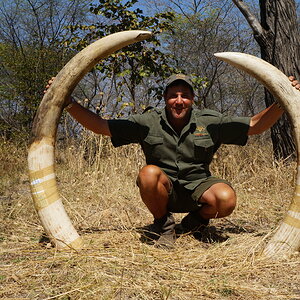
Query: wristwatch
[[70, 104], [278, 105]]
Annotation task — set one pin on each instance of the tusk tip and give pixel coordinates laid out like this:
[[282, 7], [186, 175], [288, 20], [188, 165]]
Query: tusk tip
[[218, 54], [144, 35], [221, 55]]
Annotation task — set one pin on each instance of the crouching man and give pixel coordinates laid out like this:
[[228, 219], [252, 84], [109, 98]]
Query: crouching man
[[179, 142]]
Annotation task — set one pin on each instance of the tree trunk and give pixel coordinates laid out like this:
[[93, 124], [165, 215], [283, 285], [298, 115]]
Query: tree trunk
[[278, 37], [280, 47]]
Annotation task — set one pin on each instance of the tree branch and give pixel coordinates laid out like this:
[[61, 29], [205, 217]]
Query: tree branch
[[251, 19]]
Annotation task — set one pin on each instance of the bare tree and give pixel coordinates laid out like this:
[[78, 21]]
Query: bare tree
[[31, 52], [277, 34]]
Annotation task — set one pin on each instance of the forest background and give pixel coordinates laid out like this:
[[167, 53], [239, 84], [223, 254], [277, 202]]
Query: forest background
[[37, 38]]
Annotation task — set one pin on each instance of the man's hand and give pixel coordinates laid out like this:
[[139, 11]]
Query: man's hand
[[67, 102], [48, 85], [295, 82]]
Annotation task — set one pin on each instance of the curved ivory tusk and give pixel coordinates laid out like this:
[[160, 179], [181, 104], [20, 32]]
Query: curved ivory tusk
[[41, 151], [287, 237]]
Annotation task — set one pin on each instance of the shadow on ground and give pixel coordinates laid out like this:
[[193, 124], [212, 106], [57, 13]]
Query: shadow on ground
[[209, 234]]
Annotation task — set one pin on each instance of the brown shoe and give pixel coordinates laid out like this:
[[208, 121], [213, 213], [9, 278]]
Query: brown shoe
[[166, 241], [193, 222], [165, 227]]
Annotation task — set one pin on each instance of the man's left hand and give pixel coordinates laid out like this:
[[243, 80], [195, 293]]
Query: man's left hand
[[295, 82]]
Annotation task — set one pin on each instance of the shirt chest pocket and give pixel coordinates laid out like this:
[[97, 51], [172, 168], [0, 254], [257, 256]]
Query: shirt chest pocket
[[203, 149], [153, 147]]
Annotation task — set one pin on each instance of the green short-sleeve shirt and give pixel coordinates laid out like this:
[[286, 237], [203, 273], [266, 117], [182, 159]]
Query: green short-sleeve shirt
[[185, 157]]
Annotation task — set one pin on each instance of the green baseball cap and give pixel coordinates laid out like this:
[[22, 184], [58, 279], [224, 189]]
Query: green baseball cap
[[182, 77]]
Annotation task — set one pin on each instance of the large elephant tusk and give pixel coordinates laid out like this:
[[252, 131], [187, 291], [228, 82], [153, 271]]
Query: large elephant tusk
[[43, 184], [287, 237]]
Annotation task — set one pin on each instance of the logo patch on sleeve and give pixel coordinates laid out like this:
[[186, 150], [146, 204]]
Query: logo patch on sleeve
[[201, 131]]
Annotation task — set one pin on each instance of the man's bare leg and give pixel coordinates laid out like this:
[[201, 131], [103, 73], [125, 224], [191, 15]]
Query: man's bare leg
[[217, 202], [154, 189]]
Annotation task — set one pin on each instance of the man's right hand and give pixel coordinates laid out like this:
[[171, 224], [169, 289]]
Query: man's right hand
[[67, 102]]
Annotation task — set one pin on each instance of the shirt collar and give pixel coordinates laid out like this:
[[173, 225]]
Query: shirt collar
[[193, 117]]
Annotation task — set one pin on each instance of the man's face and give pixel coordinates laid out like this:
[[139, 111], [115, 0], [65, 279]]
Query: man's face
[[179, 100]]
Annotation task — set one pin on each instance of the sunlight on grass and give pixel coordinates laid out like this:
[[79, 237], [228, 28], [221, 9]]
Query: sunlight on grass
[[97, 184]]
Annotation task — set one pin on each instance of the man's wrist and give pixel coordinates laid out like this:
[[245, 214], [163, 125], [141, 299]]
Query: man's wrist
[[277, 105], [70, 105]]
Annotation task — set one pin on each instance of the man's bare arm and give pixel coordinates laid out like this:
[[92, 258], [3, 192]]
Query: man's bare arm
[[265, 119], [84, 116], [89, 119], [269, 116]]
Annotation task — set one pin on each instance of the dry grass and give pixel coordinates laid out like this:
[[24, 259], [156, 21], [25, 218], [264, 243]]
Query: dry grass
[[100, 195]]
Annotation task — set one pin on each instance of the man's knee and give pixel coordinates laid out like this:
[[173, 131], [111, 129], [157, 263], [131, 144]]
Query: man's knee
[[151, 177], [222, 197], [226, 199], [154, 188], [148, 174]]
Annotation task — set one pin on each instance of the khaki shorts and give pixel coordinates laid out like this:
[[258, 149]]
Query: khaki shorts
[[182, 200]]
